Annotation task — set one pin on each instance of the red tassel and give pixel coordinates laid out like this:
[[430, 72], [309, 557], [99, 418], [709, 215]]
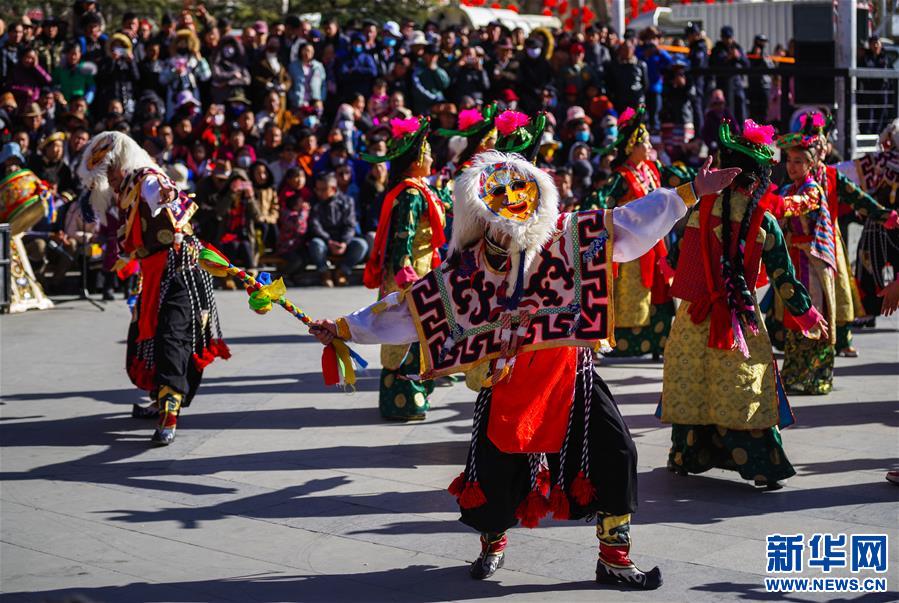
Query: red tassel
[[457, 485], [543, 482], [330, 370], [582, 489], [532, 509], [220, 349], [204, 359], [472, 496], [558, 503]]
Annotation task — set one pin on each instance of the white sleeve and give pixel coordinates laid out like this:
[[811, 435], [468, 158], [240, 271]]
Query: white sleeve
[[151, 192], [639, 225], [393, 325], [850, 170]]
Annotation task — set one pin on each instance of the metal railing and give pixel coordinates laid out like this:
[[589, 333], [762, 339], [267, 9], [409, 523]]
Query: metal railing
[[873, 92]]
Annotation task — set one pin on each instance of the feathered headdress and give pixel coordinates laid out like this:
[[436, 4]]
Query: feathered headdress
[[472, 217], [109, 150], [405, 135]]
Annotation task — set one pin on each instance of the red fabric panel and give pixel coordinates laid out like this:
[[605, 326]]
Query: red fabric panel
[[529, 410]]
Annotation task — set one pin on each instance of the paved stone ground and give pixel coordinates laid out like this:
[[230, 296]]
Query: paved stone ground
[[279, 489]]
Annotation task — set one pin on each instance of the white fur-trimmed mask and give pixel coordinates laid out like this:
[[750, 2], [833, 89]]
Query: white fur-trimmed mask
[[505, 193]]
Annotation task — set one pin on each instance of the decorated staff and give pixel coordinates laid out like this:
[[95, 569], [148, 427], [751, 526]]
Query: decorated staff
[[337, 358]]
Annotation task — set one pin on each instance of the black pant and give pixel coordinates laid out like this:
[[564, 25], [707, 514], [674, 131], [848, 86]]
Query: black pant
[[174, 345], [505, 477]]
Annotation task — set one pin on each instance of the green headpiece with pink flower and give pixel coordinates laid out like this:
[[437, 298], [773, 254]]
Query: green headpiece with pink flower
[[518, 133], [472, 122], [755, 141], [405, 135]]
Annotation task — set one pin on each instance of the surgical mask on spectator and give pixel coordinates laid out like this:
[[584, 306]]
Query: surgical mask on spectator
[[534, 52], [390, 42], [582, 136], [218, 119], [228, 52], [612, 132], [311, 121], [357, 48], [244, 161]]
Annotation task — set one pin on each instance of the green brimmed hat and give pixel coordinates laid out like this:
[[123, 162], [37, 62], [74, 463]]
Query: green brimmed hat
[[631, 130], [755, 141], [406, 135], [518, 133], [473, 122]]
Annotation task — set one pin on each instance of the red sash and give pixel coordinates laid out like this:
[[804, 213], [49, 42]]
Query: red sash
[[374, 268], [721, 333]]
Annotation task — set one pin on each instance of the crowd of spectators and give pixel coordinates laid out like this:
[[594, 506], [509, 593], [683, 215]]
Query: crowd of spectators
[[264, 122]]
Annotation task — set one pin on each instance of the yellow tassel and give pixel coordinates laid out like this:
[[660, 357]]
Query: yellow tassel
[[343, 353]]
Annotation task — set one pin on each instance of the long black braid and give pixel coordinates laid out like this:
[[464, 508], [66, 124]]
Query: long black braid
[[739, 297]]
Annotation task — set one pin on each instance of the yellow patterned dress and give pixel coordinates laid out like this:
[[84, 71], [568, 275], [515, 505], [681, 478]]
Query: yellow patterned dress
[[726, 408]]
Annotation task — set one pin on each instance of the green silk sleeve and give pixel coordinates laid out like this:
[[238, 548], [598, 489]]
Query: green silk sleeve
[[407, 210], [863, 203], [780, 269], [675, 176]]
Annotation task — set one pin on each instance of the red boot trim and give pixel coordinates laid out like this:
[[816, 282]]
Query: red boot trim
[[615, 555]]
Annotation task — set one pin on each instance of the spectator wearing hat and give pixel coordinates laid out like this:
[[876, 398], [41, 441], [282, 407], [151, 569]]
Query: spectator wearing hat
[[534, 74], [468, 76], [34, 127], [118, 75], [577, 74], [50, 166], [759, 84], [429, 81], [184, 69], [576, 128], [657, 62], [727, 54], [27, 77], [73, 77], [698, 57], [627, 77], [358, 70], [308, 79]]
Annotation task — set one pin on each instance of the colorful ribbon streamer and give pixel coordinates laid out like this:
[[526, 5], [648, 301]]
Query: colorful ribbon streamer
[[337, 358]]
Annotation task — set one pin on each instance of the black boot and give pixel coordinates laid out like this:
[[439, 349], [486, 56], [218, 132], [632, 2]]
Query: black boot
[[614, 565], [628, 576], [491, 558]]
